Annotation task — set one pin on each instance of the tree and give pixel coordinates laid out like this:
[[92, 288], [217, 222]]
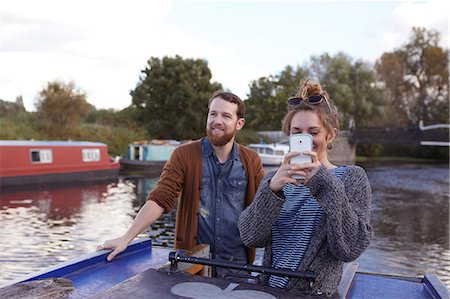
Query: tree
[[172, 97], [16, 122], [12, 109], [267, 101], [352, 86], [60, 107], [416, 77]]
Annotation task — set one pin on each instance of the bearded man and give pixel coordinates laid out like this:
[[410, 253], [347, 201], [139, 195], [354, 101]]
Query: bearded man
[[217, 179]]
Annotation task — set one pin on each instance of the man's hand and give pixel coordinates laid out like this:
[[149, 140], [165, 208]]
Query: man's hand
[[117, 245]]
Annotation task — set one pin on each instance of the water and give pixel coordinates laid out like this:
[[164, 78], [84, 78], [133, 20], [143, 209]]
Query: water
[[49, 225]]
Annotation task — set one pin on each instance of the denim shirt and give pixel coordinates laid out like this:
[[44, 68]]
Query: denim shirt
[[222, 200]]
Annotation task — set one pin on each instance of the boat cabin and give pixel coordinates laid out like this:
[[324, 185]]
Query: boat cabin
[[271, 154], [33, 162]]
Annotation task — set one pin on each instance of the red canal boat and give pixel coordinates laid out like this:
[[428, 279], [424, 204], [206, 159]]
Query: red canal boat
[[36, 162]]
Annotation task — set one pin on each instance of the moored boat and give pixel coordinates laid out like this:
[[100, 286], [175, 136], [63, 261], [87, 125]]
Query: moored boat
[[36, 162], [271, 154], [142, 272], [148, 156]]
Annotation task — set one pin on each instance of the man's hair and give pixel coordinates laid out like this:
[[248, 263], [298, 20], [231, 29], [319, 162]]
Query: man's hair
[[232, 98]]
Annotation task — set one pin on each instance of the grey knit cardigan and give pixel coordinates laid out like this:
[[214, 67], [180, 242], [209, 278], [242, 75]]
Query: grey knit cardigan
[[342, 235]]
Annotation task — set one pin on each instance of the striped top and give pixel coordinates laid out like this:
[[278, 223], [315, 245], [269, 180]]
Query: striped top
[[294, 227]]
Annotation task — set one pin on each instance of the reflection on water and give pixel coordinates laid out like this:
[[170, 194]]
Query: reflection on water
[[43, 227], [410, 215]]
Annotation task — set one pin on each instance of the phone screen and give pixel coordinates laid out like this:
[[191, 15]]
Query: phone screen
[[300, 143]]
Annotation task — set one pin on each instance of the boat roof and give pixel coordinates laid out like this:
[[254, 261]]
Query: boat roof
[[48, 143]]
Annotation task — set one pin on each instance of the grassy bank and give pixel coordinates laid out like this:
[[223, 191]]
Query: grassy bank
[[384, 159]]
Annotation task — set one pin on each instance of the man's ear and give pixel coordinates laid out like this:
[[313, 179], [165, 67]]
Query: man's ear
[[240, 123]]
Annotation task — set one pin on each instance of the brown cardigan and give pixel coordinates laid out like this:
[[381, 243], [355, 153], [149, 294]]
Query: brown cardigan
[[183, 173]]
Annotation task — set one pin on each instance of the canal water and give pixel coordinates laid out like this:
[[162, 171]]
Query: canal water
[[48, 225]]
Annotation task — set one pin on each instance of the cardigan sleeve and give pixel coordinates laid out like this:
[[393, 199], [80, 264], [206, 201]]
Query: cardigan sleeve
[[256, 221], [346, 204], [170, 182]]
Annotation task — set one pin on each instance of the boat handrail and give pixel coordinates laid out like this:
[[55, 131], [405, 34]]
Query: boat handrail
[[422, 127], [175, 257]]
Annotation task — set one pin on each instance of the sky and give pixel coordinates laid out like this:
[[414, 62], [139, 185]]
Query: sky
[[102, 46]]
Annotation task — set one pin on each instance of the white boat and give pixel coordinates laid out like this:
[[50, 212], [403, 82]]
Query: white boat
[[271, 154]]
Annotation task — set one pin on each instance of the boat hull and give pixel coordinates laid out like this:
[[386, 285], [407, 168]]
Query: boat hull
[[57, 178], [148, 167], [271, 160]]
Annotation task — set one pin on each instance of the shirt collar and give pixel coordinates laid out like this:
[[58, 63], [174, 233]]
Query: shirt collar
[[208, 149]]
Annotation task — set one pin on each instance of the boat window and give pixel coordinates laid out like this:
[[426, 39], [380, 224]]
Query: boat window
[[41, 156], [136, 153], [91, 154], [269, 151]]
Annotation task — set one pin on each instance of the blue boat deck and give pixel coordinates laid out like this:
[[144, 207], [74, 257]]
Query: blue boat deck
[[133, 273], [92, 274], [370, 285]]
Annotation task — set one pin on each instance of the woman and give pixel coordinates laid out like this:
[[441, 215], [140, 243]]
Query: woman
[[315, 224]]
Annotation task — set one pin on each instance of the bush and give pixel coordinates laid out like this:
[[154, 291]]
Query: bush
[[247, 136], [117, 138]]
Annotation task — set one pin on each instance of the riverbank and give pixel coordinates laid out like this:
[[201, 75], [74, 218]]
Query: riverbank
[[398, 160]]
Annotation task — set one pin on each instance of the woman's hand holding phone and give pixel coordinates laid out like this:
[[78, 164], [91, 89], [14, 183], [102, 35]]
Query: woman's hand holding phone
[[283, 174]]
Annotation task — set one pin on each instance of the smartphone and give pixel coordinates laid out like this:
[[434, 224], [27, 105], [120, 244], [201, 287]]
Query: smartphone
[[300, 143]]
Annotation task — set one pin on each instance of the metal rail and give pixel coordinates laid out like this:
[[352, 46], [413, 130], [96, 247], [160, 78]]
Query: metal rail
[[175, 257]]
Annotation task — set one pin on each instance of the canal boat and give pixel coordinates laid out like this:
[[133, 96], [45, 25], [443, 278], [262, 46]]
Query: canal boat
[[271, 154], [146, 271], [25, 162], [148, 156]]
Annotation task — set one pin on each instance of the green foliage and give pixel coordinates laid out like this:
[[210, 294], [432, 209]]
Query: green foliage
[[352, 86], [126, 117], [17, 129], [116, 137], [411, 151], [247, 136], [12, 109], [116, 129], [172, 97], [267, 101], [369, 150], [60, 107], [16, 122], [416, 79]]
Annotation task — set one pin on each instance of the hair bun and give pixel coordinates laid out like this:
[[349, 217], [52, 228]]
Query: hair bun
[[310, 87]]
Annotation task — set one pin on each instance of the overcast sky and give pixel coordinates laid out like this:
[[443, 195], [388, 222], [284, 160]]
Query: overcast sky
[[103, 45]]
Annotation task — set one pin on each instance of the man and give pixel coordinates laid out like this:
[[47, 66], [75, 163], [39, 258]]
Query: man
[[217, 179]]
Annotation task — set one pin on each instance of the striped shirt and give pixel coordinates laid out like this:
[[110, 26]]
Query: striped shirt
[[294, 227]]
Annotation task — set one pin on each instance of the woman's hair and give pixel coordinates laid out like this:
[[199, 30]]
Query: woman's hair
[[326, 110]]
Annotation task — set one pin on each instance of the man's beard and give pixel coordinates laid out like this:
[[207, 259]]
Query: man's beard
[[219, 140]]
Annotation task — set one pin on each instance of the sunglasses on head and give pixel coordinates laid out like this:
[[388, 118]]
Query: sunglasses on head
[[313, 100]]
